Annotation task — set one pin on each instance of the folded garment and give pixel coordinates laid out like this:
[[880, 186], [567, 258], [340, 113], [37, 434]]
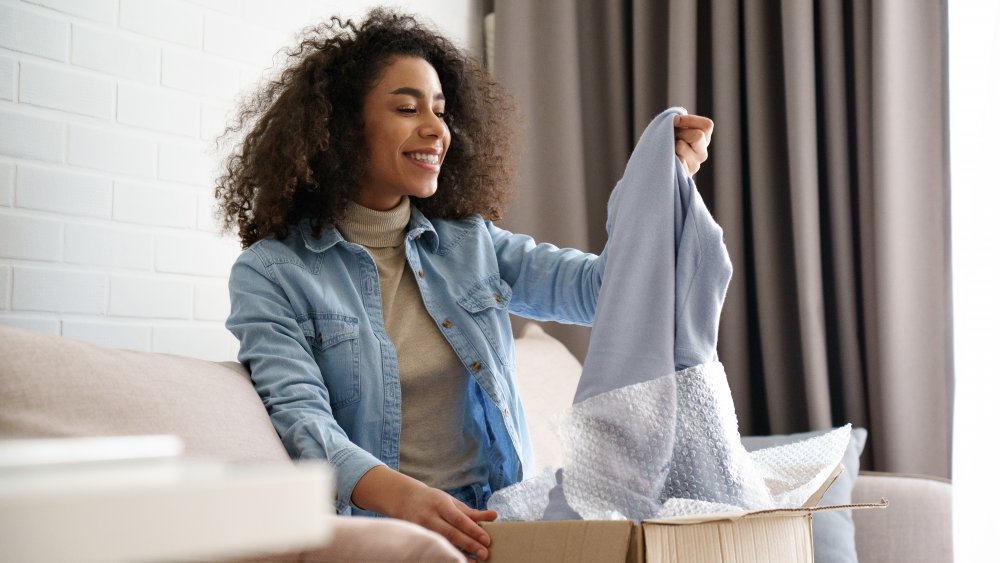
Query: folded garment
[[653, 429]]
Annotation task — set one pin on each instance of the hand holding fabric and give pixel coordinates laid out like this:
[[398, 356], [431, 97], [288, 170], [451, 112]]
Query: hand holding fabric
[[692, 135]]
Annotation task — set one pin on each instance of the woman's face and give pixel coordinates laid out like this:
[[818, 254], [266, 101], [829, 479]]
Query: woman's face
[[405, 134]]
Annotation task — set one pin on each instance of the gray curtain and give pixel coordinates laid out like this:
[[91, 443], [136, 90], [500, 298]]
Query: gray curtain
[[827, 171]]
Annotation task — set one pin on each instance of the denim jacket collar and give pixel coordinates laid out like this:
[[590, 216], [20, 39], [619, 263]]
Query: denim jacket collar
[[420, 226]]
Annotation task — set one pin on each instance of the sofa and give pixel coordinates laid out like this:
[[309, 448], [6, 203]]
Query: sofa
[[52, 386]]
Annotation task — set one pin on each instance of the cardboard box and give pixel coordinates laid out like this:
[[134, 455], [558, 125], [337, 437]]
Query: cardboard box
[[763, 536]]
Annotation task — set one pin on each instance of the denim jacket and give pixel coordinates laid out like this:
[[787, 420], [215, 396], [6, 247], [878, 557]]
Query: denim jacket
[[308, 315]]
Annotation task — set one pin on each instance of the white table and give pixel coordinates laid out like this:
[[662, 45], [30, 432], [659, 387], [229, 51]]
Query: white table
[[152, 508]]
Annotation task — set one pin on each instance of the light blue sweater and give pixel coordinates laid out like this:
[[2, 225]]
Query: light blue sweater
[[657, 313]]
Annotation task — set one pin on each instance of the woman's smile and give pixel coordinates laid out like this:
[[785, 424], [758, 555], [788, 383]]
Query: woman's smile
[[426, 159]]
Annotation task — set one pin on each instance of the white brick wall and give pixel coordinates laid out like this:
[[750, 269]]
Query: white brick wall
[[51, 86], [238, 39], [4, 287], [213, 120], [110, 150], [108, 246], [150, 297], [173, 21], [187, 163], [62, 191], [193, 72], [28, 31], [211, 301], [104, 11], [6, 184], [59, 291], [159, 109], [8, 69], [149, 204], [233, 7], [115, 53], [109, 110], [200, 255], [206, 213], [30, 238], [28, 136]]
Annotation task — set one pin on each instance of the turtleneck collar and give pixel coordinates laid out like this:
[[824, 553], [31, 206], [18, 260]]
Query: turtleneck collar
[[375, 229]]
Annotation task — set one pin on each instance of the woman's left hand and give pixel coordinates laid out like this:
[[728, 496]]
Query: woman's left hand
[[692, 134]]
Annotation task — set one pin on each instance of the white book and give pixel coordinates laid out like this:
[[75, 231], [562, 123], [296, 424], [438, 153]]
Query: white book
[[50, 452]]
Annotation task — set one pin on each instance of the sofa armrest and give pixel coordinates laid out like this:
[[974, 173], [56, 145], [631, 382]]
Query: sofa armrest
[[915, 528]]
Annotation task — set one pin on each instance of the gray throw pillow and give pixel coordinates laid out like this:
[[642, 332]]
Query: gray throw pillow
[[833, 532]]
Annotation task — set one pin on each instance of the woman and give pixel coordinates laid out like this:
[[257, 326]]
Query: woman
[[372, 300]]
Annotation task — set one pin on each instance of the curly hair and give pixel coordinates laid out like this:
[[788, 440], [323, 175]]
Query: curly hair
[[300, 150]]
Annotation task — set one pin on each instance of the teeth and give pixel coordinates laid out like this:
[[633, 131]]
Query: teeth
[[423, 157]]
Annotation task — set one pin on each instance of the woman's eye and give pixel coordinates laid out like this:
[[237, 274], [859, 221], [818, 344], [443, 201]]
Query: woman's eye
[[440, 114], [408, 110]]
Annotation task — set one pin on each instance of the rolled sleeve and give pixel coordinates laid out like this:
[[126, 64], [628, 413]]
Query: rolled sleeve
[[351, 465]]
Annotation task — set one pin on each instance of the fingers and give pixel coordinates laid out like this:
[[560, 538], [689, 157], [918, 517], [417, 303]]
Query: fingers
[[694, 137], [463, 532], [697, 122], [482, 515], [467, 518], [692, 134], [691, 146], [688, 157], [461, 541]]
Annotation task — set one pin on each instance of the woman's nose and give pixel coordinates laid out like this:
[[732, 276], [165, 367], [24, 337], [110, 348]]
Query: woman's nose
[[433, 126]]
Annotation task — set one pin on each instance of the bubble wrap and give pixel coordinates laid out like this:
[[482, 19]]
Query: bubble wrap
[[525, 500], [670, 447]]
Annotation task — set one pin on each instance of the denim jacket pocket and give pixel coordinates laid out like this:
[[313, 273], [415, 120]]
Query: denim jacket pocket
[[487, 302], [334, 341]]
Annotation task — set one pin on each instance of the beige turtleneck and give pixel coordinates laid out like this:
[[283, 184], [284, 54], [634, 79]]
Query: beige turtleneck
[[433, 381]]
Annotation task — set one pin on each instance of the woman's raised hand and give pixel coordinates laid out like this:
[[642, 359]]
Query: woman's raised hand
[[692, 134]]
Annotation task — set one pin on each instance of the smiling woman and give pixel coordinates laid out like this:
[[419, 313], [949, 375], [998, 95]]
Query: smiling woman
[[328, 300], [372, 301]]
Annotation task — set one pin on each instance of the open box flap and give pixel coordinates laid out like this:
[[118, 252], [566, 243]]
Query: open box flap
[[817, 496], [809, 507], [732, 516]]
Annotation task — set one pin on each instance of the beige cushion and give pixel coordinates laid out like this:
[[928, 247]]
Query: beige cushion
[[52, 386], [915, 528], [547, 375]]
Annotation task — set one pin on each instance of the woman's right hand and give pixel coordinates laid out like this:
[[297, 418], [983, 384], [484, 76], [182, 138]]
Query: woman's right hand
[[438, 511], [396, 495]]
